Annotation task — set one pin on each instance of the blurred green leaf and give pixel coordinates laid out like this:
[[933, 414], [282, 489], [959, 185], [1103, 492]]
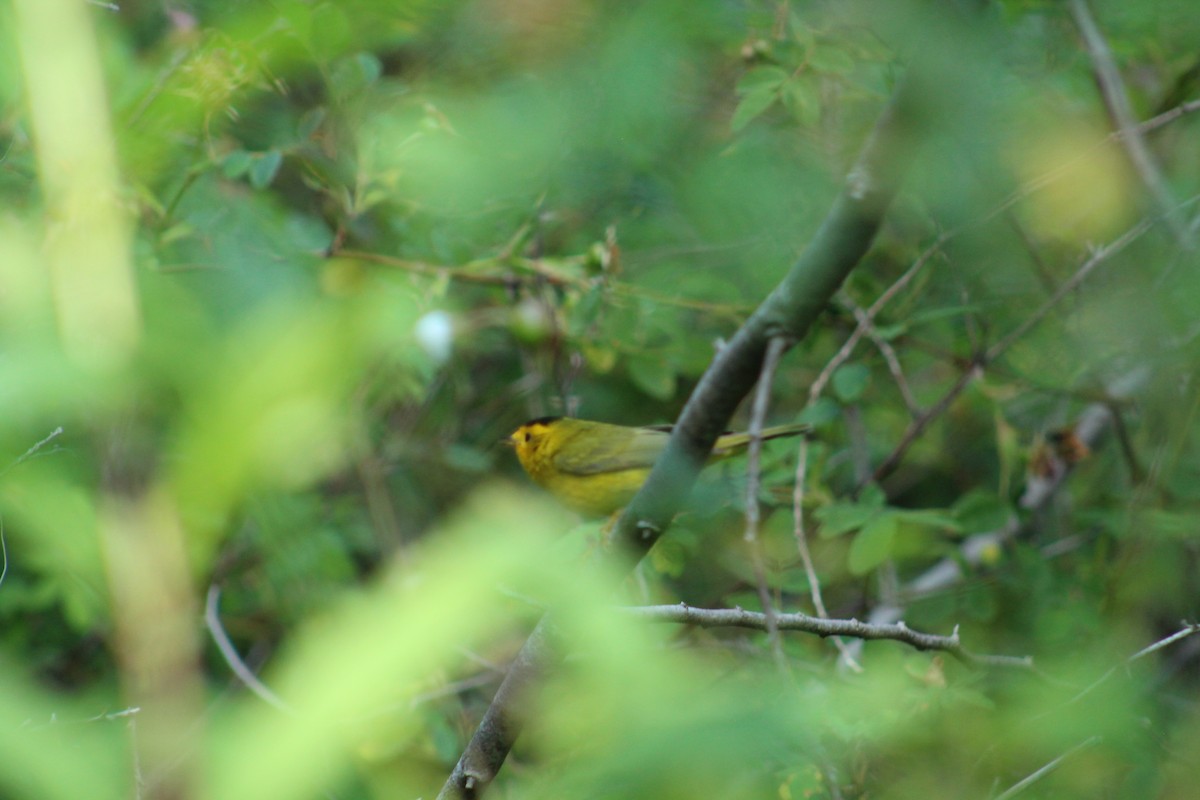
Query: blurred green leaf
[[842, 517], [667, 557], [381, 643], [981, 511], [929, 518], [264, 168], [820, 413], [310, 122], [850, 381], [802, 99], [752, 105], [761, 78], [652, 376], [237, 164], [872, 545], [828, 57]]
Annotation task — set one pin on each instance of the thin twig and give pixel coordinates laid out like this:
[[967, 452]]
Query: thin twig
[[889, 356], [972, 552], [918, 425], [847, 349], [506, 272], [32, 451], [1188, 629], [814, 393], [28, 454], [762, 396], [1137, 475], [1040, 269], [1097, 257], [212, 619], [1029, 780], [982, 360], [810, 570], [1042, 181], [899, 632], [1112, 88]]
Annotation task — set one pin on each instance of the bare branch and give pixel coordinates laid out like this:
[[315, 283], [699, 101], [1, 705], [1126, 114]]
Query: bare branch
[[741, 618]]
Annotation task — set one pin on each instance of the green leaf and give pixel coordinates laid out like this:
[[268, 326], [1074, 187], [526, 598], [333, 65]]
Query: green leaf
[[830, 59], [309, 123], [930, 518], [760, 79], [176, 232], [801, 98], [263, 171], [821, 413], [873, 544], [752, 105], [1170, 524], [839, 518], [668, 558], [872, 495], [850, 381], [980, 511], [652, 376], [370, 66], [946, 312], [355, 73], [890, 332], [236, 163]]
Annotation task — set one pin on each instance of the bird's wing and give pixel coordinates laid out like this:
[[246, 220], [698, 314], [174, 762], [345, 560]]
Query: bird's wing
[[626, 448]]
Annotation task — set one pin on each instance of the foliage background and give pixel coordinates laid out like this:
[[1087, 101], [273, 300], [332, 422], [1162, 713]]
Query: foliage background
[[276, 278]]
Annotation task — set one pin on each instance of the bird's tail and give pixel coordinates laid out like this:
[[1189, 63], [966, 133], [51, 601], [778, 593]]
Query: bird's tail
[[731, 443]]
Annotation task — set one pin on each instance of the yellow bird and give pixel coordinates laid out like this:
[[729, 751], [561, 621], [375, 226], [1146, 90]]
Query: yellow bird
[[596, 468]]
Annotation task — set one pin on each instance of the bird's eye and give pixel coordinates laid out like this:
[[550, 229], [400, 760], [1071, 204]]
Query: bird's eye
[[528, 436]]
